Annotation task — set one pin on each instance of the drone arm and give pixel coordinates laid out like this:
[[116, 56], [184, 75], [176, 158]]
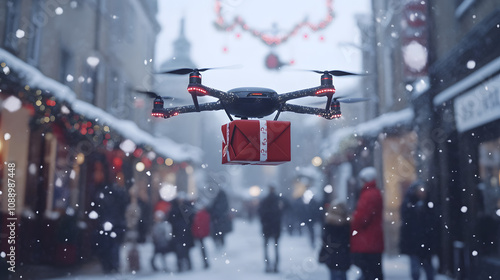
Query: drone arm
[[302, 109], [298, 94], [170, 112], [201, 90], [323, 90], [327, 114], [216, 93]]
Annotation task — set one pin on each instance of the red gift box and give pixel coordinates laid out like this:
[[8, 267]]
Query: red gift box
[[256, 142]]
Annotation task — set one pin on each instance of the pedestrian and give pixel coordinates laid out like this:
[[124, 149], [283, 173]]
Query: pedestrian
[[200, 230], [110, 204], [221, 223], [181, 218], [270, 212], [312, 214], [161, 234], [367, 237], [418, 231], [132, 217], [334, 251]]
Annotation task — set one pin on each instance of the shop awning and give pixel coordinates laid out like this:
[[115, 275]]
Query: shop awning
[[127, 129], [345, 138]]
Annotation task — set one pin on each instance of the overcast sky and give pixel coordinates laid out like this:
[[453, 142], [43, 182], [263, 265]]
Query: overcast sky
[[208, 44]]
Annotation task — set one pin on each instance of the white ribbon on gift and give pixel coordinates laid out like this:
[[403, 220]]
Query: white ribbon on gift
[[263, 140], [227, 143]]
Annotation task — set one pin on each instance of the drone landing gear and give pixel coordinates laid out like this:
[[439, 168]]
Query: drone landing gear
[[195, 102], [278, 113]]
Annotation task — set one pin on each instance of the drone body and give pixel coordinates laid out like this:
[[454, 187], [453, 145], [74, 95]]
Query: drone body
[[254, 102]]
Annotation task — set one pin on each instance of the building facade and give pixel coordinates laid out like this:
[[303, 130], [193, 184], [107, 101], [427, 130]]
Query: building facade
[[458, 117], [69, 111]]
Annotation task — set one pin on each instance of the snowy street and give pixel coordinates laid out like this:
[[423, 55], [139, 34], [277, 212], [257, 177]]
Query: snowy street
[[242, 259]]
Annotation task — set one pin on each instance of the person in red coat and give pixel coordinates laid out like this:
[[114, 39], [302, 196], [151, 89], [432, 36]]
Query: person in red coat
[[367, 237], [201, 229]]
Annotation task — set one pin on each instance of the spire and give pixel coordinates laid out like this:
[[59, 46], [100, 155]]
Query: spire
[[182, 45], [182, 48], [181, 31]]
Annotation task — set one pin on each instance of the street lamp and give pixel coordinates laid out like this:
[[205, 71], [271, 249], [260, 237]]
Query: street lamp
[[140, 166], [254, 191], [317, 161]]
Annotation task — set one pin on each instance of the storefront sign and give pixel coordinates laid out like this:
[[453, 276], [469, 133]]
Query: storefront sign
[[479, 106]]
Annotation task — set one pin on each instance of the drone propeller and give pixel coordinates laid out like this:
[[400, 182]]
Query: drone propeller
[[352, 99], [344, 99], [185, 71], [337, 73], [153, 94]]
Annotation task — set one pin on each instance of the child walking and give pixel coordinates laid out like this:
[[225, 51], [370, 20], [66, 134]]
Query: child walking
[[335, 248], [162, 237]]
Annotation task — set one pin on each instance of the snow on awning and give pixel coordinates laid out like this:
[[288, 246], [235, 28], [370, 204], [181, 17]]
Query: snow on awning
[[341, 138], [385, 121], [128, 129]]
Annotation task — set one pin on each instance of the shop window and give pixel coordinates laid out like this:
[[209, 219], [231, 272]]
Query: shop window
[[36, 33], [488, 204], [11, 41], [66, 74], [115, 95], [89, 84]]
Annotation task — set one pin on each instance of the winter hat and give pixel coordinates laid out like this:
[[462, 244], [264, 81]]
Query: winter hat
[[368, 174], [159, 215], [337, 213]]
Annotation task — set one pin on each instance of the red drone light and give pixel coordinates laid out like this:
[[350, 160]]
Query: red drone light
[[158, 115], [197, 90], [325, 90]]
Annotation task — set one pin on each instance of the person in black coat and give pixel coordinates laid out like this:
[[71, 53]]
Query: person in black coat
[[418, 233], [110, 204], [335, 250], [270, 213], [221, 222], [181, 218]]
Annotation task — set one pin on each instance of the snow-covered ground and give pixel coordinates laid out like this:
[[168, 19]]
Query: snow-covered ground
[[242, 259]]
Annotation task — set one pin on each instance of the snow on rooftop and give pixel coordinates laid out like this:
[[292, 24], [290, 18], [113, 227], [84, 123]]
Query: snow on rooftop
[[369, 128], [128, 129], [387, 120]]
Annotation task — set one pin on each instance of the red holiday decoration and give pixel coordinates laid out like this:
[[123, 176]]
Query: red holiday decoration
[[271, 40]]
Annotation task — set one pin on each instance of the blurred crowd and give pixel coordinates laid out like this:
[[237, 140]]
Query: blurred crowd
[[347, 237]]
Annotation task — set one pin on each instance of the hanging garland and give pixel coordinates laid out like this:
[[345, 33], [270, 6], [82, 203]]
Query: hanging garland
[[271, 40]]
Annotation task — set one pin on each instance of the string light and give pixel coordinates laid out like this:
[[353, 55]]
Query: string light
[[222, 24]]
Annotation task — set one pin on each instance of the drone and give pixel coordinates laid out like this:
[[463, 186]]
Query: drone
[[253, 102]]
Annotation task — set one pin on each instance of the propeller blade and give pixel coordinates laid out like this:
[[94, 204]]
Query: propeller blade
[[343, 99], [185, 71], [353, 99], [337, 73], [180, 71], [153, 94]]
